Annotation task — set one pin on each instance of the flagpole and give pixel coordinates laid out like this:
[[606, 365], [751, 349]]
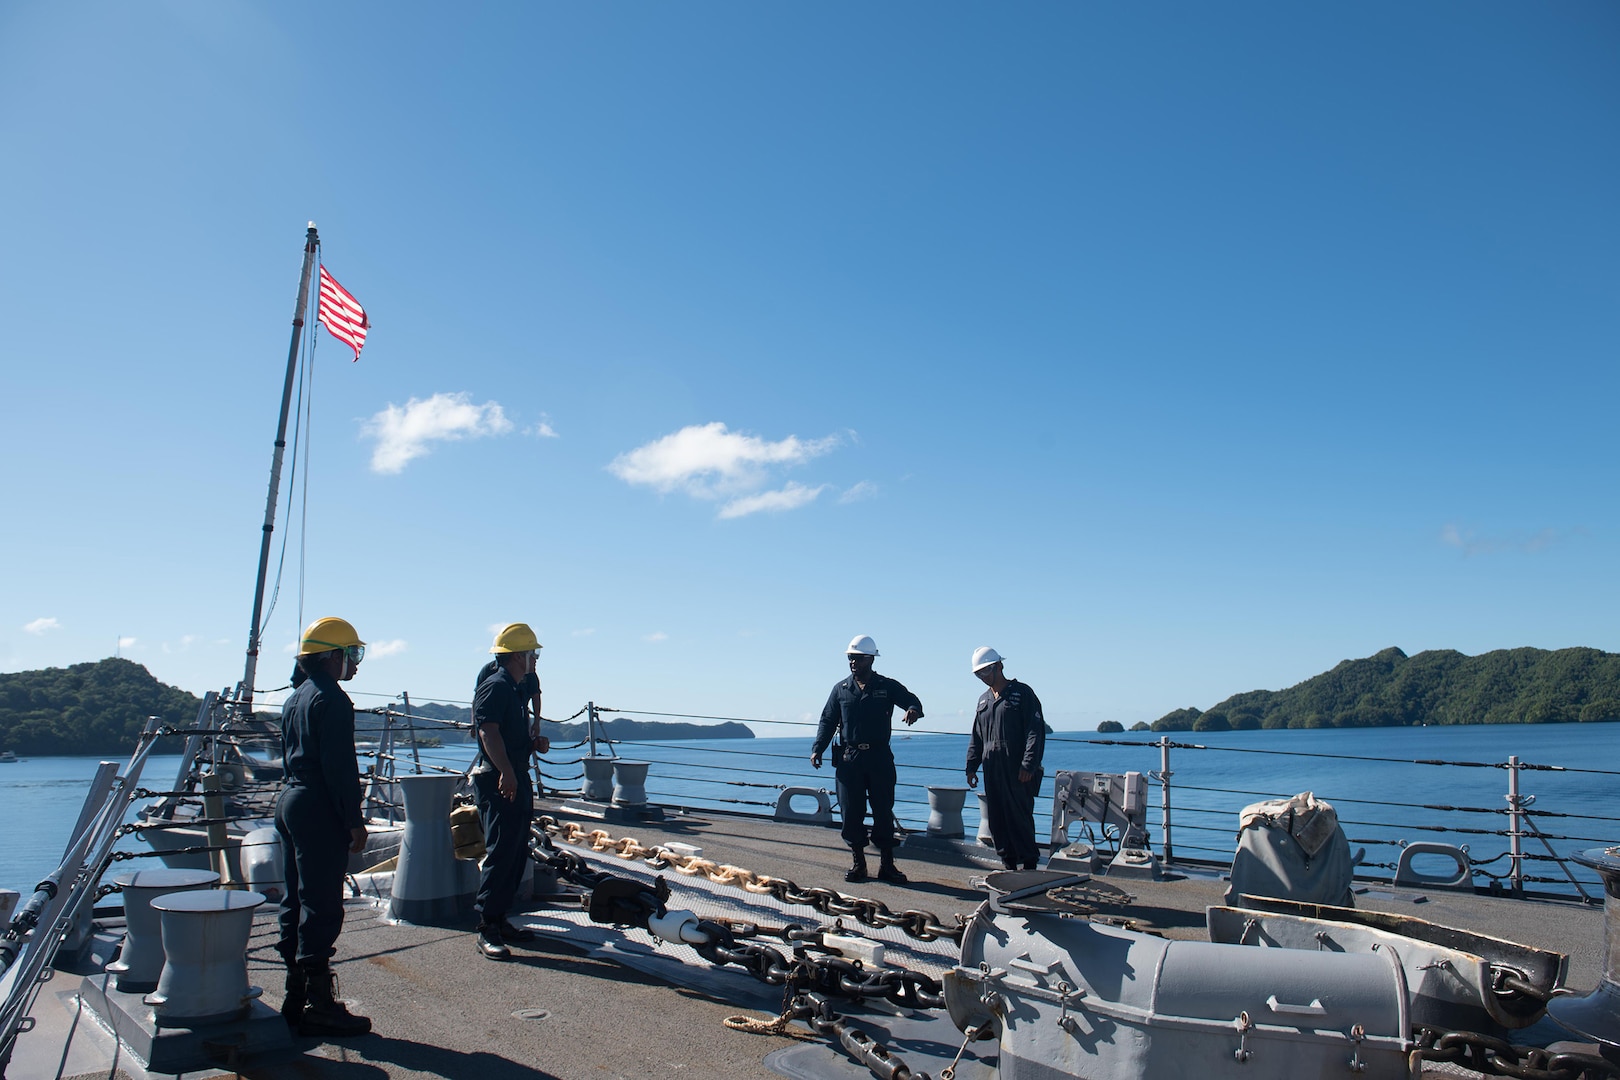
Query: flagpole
[[244, 692]]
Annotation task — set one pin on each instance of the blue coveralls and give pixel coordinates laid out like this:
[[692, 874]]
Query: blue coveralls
[[1009, 734], [318, 805], [499, 701], [863, 761]]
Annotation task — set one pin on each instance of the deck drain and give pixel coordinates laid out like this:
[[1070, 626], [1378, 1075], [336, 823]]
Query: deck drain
[[531, 1014]]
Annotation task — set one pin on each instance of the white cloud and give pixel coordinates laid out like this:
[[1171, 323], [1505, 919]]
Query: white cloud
[[861, 491], [544, 430], [709, 462], [41, 627], [125, 642], [386, 648], [656, 636], [587, 632], [182, 645], [1471, 543], [791, 497], [403, 434]]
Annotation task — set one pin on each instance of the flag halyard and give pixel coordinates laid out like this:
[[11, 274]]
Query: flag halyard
[[342, 314]]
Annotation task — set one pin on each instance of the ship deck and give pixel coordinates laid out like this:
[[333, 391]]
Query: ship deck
[[575, 1006]]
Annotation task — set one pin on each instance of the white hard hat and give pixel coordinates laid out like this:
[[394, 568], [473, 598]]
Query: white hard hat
[[862, 646], [983, 657]]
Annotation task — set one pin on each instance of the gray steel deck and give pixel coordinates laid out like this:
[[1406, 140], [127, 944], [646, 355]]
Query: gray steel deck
[[561, 1009]]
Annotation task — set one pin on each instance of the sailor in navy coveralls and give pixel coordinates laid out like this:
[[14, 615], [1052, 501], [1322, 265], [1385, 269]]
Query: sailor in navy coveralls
[[1009, 740], [320, 823], [507, 687], [860, 711]]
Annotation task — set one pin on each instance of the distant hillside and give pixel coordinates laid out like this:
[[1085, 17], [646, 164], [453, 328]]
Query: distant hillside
[[100, 708], [95, 708], [1391, 689], [620, 727]]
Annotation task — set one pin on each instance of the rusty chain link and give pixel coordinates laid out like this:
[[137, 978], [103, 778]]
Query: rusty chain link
[[810, 982], [922, 925]]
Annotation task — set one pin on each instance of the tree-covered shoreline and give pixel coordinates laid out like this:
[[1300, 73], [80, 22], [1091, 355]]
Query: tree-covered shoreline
[[1437, 687], [100, 708], [90, 708]]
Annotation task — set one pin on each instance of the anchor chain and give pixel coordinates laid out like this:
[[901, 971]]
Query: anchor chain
[[1497, 1057], [827, 975], [922, 925], [816, 1011], [810, 982]]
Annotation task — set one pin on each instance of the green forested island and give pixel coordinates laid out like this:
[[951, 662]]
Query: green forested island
[[1441, 686], [100, 708], [96, 708]]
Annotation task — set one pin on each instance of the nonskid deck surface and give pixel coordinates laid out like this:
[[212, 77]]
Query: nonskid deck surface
[[581, 1003]]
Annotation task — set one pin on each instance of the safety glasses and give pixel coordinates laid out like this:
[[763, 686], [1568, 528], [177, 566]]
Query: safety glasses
[[355, 653]]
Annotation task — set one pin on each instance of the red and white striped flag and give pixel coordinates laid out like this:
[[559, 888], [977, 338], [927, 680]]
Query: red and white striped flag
[[342, 314]]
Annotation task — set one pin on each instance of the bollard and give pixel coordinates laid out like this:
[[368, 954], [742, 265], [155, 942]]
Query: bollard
[[1597, 1015], [140, 961], [264, 867], [205, 936], [428, 880], [629, 782], [984, 821], [945, 811], [598, 785]]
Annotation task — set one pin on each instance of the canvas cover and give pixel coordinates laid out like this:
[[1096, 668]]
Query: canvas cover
[[1293, 849]]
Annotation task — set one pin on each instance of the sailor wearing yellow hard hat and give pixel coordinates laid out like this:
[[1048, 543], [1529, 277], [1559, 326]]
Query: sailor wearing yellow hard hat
[[319, 820], [507, 687]]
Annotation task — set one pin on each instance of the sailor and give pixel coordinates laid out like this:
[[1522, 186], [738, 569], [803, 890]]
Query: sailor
[[507, 686], [860, 712], [1008, 740], [319, 820]]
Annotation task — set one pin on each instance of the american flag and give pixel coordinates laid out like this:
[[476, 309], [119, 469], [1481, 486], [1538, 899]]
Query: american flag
[[342, 314]]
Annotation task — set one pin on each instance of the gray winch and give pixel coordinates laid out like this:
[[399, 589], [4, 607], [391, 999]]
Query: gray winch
[[1073, 998]]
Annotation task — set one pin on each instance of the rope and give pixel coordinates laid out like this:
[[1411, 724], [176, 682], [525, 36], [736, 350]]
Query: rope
[[776, 1026]]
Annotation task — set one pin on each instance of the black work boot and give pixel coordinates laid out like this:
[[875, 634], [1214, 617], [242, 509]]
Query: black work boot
[[490, 943], [292, 1005], [887, 871], [857, 866], [325, 1015]]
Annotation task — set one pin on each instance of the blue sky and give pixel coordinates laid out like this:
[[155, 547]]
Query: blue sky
[[1174, 350]]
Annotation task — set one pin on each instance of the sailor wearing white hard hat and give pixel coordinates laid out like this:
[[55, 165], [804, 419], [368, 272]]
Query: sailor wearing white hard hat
[[860, 712], [1008, 740]]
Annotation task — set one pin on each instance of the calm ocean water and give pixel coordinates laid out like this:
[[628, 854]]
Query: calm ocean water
[[1378, 800]]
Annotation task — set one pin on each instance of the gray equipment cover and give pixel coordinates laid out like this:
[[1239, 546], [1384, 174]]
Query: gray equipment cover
[[1072, 998], [1293, 849]]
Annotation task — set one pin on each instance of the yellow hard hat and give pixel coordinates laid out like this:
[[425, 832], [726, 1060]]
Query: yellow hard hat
[[324, 635], [515, 637]]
